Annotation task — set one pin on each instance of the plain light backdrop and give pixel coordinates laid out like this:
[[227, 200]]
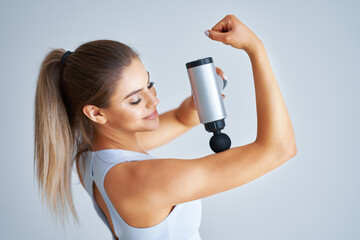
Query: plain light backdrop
[[313, 47]]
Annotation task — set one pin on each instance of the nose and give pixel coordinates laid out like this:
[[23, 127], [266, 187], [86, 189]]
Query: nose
[[152, 99]]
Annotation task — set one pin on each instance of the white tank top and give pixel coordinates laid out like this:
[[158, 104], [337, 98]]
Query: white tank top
[[183, 222]]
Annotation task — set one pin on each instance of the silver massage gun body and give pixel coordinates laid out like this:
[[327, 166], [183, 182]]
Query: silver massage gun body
[[206, 88]]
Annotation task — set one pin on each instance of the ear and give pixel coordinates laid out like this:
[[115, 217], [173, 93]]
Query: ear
[[94, 113]]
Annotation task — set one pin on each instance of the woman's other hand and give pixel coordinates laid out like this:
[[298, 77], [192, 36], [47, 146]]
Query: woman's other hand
[[221, 73], [231, 31]]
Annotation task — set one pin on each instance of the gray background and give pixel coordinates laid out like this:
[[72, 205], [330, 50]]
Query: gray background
[[313, 47]]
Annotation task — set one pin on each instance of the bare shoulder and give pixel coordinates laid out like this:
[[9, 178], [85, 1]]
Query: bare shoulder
[[131, 199]]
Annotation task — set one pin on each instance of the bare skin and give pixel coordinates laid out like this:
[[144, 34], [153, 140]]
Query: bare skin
[[168, 182]]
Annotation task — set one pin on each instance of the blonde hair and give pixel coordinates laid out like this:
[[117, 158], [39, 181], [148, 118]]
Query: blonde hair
[[62, 131]]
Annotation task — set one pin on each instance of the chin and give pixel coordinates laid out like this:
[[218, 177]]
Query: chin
[[151, 125]]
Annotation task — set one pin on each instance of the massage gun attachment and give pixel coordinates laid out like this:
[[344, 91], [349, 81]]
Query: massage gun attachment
[[206, 88]]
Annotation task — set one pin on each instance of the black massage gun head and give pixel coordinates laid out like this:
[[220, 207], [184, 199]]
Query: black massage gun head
[[220, 142]]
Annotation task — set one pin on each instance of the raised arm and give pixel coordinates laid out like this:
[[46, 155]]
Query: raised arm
[[274, 125], [161, 183], [273, 120]]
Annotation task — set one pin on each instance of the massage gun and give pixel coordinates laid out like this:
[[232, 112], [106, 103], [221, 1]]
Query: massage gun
[[206, 86]]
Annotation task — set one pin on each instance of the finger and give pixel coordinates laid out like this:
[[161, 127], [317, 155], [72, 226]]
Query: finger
[[219, 36], [223, 26], [219, 71]]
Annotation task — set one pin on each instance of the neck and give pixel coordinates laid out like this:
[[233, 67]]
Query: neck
[[114, 140]]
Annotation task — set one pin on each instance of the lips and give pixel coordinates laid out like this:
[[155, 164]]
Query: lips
[[153, 115]]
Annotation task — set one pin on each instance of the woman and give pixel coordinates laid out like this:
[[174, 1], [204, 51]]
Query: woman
[[97, 106]]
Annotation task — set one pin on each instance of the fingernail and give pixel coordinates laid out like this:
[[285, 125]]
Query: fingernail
[[207, 33]]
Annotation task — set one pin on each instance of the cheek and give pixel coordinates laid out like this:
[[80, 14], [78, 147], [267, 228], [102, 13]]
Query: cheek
[[130, 114], [134, 114], [125, 117]]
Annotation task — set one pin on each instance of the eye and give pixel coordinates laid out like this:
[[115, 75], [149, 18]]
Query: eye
[[137, 102]]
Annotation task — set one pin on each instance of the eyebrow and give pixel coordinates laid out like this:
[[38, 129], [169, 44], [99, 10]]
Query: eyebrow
[[136, 91]]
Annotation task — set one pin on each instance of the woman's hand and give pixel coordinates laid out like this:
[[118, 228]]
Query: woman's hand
[[231, 31], [190, 99]]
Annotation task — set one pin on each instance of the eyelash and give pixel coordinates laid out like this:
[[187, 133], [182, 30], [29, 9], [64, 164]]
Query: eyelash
[[139, 100]]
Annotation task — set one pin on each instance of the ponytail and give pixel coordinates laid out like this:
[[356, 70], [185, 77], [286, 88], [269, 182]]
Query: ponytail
[[54, 140], [62, 132]]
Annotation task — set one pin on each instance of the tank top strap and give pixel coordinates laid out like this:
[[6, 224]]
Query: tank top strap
[[98, 171], [86, 168], [86, 171]]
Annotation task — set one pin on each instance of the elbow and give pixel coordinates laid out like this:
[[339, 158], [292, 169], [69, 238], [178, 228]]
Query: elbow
[[294, 149], [289, 149], [283, 151]]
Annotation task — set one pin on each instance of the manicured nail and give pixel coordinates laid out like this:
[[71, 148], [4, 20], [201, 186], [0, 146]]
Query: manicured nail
[[207, 33]]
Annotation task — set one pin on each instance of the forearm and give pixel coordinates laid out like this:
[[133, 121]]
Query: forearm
[[187, 114], [274, 125]]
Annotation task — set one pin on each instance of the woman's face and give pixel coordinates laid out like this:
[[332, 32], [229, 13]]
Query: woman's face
[[134, 100]]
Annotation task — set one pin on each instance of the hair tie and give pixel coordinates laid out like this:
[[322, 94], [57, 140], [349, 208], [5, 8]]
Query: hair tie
[[63, 58]]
